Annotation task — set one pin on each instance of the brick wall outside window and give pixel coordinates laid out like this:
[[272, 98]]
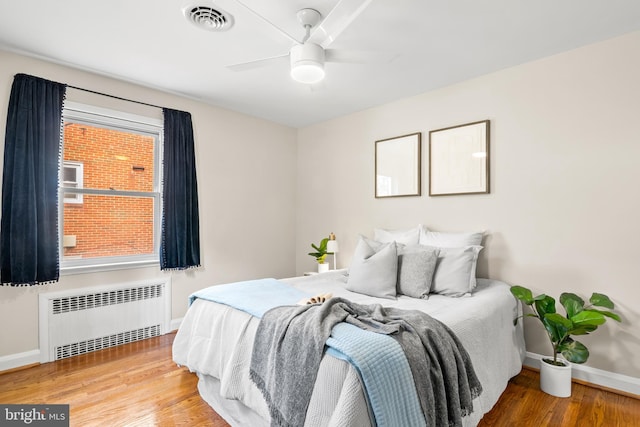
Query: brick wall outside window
[[108, 225]]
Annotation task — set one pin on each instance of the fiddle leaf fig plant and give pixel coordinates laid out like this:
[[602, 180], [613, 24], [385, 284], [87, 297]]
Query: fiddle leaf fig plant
[[320, 251], [580, 319]]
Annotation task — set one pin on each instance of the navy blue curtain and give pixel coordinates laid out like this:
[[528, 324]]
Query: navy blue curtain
[[180, 242], [29, 226]]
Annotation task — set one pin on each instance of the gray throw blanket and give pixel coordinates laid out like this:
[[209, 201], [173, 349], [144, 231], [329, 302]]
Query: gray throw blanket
[[290, 341]]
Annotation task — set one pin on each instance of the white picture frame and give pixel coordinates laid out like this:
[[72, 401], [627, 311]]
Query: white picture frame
[[459, 159], [398, 166]]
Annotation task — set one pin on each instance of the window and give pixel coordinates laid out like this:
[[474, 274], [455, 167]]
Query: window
[[110, 185], [72, 178]]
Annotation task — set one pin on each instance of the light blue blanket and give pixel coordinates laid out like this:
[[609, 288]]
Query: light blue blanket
[[385, 373], [378, 359], [255, 297]]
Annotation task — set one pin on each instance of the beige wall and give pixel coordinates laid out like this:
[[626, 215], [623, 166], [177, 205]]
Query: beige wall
[[562, 213], [246, 181], [565, 165]]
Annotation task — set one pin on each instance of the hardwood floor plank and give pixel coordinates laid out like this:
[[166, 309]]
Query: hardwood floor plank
[[524, 404], [138, 385]]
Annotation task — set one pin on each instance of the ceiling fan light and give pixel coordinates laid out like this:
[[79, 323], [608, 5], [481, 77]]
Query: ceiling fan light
[[307, 63], [308, 72]]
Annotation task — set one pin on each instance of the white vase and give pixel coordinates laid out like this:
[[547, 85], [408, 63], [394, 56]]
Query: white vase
[[323, 268], [555, 380]]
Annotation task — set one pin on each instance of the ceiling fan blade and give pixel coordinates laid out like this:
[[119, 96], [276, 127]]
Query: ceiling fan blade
[[359, 56], [343, 14], [243, 66], [262, 18]]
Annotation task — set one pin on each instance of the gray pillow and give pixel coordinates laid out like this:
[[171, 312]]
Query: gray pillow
[[416, 265], [374, 269], [455, 274]]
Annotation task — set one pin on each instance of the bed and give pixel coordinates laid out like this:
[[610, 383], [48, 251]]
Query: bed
[[215, 341]]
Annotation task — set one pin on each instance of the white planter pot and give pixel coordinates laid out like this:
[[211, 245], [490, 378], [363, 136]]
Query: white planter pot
[[323, 268], [555, 380]]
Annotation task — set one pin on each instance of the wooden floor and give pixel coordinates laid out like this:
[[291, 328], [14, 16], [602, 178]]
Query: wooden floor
[[523, 404], [138, 385]]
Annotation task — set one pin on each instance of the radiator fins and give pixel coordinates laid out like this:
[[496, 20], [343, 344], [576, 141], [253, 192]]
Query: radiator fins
[[101, 299], [87, 346]]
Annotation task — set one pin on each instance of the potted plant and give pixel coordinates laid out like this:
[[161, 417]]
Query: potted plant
[[320, 254], [580, 319]]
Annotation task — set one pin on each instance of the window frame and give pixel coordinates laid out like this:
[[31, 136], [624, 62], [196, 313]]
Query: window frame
[[90, 115]]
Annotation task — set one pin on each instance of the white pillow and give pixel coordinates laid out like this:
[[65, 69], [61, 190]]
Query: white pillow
[[409, 236], [374, 269], [416, 265], [455, 274], [449, 240]]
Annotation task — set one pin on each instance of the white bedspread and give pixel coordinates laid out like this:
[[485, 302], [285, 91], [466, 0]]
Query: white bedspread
[[215, 341]]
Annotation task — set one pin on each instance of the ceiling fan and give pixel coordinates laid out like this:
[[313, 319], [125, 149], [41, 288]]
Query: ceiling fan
[[308, 55]]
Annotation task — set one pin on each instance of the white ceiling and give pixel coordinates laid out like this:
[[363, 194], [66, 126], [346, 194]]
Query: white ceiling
[[434, 43]]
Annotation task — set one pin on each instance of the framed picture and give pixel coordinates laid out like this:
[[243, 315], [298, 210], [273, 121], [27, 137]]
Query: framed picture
[[459, 159], [398, 166]]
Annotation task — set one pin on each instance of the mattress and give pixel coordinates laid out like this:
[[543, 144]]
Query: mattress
[[215, 341]]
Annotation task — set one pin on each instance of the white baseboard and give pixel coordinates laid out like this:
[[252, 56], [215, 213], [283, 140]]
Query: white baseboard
[[19, 359], [33, 356], [595, 376], [175, 324]]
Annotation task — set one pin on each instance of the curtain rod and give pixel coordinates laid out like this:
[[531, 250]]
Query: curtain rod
[[113, 96]]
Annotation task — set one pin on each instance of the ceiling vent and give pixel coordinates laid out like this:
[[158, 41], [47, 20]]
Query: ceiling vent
[[208, 18]]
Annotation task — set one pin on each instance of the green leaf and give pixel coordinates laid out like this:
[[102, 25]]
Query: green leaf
[[554, 334], [545, 305], [572, 303], [559, 319], [601, 300], [588, 317], [557, 326], [583, 329], [574, 351], [571, 296], [523, 294], [572, 307], [610, 314]]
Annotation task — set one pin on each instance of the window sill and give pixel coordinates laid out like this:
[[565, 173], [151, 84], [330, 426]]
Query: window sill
[[96, 268]]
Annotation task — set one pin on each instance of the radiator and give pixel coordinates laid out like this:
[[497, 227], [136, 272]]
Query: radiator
[[82, 320]]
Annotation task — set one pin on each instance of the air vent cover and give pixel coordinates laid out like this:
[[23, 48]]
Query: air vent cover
[[208, 18]]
